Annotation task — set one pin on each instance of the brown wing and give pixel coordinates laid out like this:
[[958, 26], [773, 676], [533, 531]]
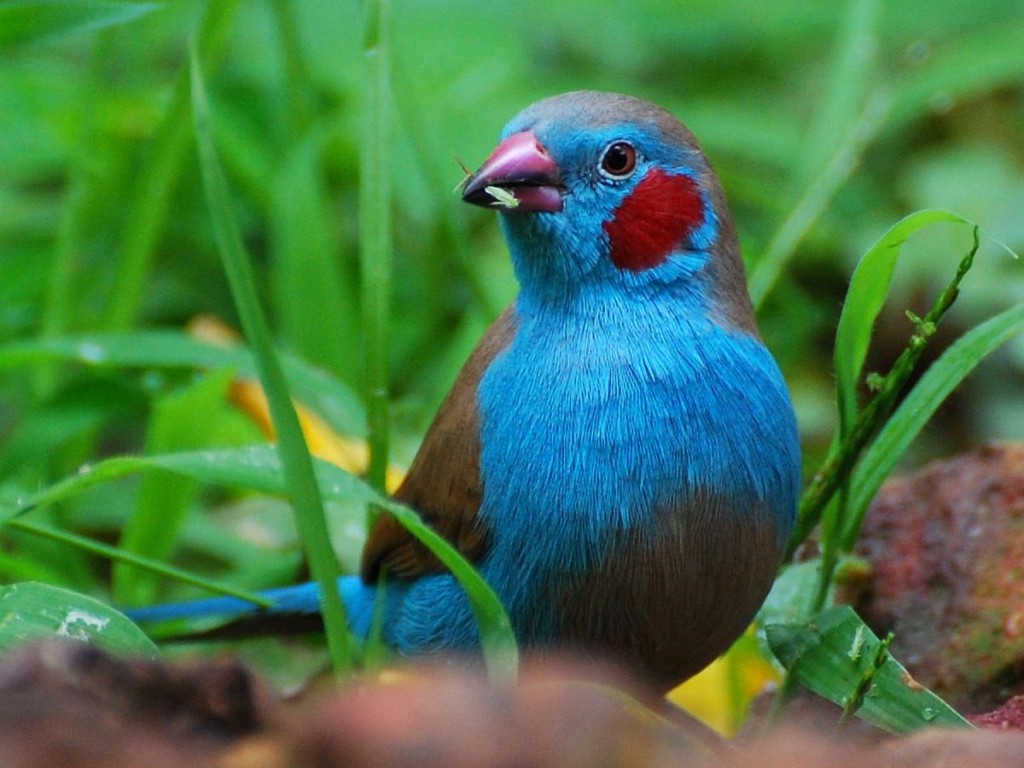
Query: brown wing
[[443, 483]]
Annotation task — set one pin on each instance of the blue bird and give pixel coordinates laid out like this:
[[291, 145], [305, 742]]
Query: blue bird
[[619, 456]]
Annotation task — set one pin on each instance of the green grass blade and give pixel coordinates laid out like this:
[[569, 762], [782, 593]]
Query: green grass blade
[[838, 657], [31, 612], [138, 349], [120, 556], [26, 21], [295, 458], [815, 199], [255, 468], [868, 289], [147, 214], [853, 72], [941, 378], [497, 639], [332, 399], [375, 228]]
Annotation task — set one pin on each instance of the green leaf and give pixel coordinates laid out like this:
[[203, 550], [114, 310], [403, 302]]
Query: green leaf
[[941, 378], [791, 593], [31, 612], [864, 299], [838, 657], [25, 21]]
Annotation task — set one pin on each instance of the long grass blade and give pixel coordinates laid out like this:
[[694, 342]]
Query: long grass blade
[[147, 214], [27, 21], [118, 555], [295, 458], [375, 228], [868, 289]]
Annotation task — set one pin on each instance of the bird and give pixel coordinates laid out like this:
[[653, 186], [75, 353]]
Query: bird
[[619, 456]]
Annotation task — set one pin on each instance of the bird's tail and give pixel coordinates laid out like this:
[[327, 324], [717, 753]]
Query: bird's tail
[[292, 609]]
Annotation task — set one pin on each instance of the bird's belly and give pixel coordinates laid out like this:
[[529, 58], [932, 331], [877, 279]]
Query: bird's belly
[[670, 598]]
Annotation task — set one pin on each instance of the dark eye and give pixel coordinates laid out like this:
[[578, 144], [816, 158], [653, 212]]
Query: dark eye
[[618, 160]]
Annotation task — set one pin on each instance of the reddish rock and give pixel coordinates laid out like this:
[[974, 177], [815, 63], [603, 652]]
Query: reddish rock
[[74, 706], [447, 718], [946, 546], [1009, 717]]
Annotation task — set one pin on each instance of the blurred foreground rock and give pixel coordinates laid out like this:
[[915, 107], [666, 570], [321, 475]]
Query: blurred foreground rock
[[946, 547], [74, 707]]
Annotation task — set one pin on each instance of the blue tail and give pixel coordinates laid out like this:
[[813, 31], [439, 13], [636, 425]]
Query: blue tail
[[302, 600]]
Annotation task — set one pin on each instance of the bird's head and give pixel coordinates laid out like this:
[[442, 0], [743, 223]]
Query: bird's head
[[601, 189]]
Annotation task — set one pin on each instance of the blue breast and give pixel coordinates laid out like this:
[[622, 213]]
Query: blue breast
[[590, 424], [602, 409]]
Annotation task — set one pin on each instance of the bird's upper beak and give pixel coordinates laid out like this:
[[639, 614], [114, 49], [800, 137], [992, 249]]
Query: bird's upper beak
[[519, 176]]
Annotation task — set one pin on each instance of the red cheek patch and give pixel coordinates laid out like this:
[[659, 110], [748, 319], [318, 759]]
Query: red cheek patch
[[659, 214]]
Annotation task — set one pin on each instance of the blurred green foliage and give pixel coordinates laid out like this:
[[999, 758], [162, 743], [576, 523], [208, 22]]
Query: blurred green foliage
[[826, 121]]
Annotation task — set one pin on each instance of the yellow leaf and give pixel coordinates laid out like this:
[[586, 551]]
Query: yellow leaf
[[721, 694], [350, 454]]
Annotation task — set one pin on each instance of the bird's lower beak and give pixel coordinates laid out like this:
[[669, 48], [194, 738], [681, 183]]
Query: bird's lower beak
[[519, 176]]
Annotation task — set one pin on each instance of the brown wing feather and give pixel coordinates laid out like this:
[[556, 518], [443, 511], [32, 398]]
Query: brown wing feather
[[443, 483]]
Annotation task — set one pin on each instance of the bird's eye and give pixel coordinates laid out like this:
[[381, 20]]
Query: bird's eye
[[618, 160]]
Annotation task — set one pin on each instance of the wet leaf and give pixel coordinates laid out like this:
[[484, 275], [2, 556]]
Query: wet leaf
[[31, 612]]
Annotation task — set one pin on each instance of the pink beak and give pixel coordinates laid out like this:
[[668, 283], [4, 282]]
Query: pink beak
[[519, 176]]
